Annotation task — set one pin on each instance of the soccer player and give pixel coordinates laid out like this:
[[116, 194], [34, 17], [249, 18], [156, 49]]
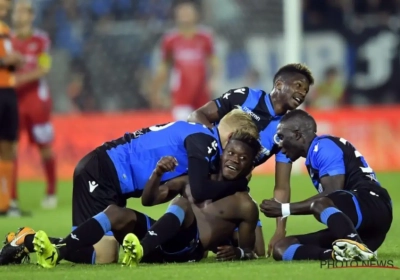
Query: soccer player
[[33, 94], [291, 85], [188, 51], [9, 62], [119, 170], [187, 229], [351, 202]]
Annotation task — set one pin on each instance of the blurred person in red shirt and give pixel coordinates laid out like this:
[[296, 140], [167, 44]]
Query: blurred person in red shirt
[[33, 94], [188, 51]]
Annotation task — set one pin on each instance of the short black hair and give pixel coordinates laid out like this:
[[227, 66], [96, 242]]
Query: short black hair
[[301, 119], [245, 137], [297, 68]]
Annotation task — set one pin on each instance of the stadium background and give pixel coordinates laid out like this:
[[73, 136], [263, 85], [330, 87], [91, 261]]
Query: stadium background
[[104, 53]]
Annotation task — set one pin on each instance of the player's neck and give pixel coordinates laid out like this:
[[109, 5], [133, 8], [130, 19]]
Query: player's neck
[[24, 32], [278, 106], [308, 145], [188, 32]]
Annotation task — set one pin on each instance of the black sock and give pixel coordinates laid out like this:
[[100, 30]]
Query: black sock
[[163, 230], [339, 224], [28, 241], [87, 234], [300, 252], [85, 255]]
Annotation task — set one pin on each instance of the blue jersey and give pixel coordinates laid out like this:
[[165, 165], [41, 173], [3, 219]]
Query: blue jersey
[[135, 155], [258, 105], [330, 156]]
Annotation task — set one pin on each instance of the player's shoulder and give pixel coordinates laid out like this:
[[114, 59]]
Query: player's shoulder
[[324, 146], [171, 34], [248, 206], [247, 90], [205, 31], [40, 34]]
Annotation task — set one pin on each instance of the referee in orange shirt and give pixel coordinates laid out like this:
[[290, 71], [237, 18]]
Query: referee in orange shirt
[[9, 61]]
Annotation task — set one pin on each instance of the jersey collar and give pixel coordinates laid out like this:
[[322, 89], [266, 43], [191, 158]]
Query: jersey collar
[[216, 132], [270, 107]]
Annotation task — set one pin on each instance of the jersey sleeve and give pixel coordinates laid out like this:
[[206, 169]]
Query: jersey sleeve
[[328, 158], [201, 146], [231, 99]]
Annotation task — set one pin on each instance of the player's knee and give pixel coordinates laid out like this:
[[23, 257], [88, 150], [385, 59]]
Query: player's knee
[[180, 207], [182, 203], [118, 217], [8, 150], [45, 151], [106, 250], [282, 246], [321, 204]]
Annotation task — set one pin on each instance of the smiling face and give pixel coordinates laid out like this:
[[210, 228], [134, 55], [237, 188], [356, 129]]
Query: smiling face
[[237, 160], [290, 140], [294, 89]]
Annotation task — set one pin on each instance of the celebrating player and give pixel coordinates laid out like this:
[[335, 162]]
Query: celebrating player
[[33, 94], [188, 51], [119, 169], [9, 61], [291, 85], [351, 202], [187, 229]]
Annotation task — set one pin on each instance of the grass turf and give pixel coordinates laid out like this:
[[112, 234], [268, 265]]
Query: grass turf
[[58, 223]]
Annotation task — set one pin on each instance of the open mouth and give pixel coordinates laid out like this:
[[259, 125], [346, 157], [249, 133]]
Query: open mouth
[[231, 167], [298, 100]]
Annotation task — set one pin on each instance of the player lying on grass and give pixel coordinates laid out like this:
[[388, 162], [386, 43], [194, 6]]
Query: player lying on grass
[[351, 202], [291, 85], [119, 170], [186, 230]]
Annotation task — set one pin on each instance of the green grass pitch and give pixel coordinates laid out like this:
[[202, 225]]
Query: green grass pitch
[[58, 223]]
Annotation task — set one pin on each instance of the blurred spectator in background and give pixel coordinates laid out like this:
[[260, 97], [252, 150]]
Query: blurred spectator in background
[[253, 79], [34, 100], [329, 93], [188, 51]]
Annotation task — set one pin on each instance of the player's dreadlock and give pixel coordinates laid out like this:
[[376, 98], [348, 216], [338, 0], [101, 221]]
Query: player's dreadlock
[[301, 120], [245, 137], [295, 68]]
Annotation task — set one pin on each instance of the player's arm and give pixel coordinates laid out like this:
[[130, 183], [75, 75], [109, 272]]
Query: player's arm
[[153, 192], [215, 110], [247, 230], [161, 74], [329, 161], [283, 169], [201, 152], [43, 68], [259, 247]]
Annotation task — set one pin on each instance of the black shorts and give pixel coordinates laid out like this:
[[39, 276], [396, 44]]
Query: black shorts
[[183, 247], [9, 118], [95, 187], [370, 210]]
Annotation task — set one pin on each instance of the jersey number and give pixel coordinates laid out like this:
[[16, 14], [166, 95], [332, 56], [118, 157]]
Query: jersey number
[[365, 168]]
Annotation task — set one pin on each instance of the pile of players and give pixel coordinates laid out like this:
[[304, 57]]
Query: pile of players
[[203, 167]]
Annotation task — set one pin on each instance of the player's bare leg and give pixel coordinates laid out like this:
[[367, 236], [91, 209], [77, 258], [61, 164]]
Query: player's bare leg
[[7, 157], [49, 165]]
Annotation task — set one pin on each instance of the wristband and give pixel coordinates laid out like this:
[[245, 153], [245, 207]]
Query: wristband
[[241, 253], [285, 210]]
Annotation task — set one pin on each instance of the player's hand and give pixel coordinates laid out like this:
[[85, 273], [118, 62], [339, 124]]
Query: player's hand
[[166, 164], [278, 235], [14, 59], [271, 208], [226, 253]]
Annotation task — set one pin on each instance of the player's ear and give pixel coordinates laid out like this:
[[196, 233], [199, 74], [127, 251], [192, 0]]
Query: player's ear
[[279, 84]]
